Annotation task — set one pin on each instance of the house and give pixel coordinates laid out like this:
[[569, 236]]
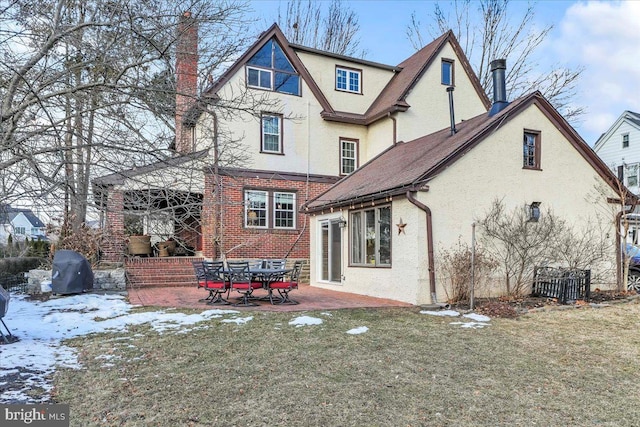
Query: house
[[279, 127], [20, 224], [619, 149], [432, 188]]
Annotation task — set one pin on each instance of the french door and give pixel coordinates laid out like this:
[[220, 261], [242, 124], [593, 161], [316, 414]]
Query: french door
[[330, 251]]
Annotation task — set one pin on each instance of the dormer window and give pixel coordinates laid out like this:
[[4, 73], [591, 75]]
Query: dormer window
[[348, 80], [270, 69]]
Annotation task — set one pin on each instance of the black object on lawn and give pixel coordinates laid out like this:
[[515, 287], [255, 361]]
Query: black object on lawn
[[71, 273], [4, 307]]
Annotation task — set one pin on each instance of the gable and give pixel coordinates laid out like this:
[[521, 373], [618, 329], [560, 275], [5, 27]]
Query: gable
[[257, 53]]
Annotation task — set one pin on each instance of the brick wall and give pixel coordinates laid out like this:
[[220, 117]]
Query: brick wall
[[170, 271], [239, 241], [114, 239]]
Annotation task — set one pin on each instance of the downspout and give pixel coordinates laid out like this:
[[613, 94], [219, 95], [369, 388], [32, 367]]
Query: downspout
[[431, 261], [395, 134]]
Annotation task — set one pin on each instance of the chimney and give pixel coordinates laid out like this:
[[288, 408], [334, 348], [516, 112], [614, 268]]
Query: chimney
[[498, 68], [186, 78]]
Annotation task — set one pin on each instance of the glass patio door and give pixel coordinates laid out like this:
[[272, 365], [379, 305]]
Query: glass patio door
[[330, 251]]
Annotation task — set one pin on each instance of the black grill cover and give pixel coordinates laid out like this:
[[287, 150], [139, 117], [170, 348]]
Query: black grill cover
[[4, 302], [71, 273]]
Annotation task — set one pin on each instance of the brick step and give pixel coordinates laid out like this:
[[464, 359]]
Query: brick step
[[161, 272]]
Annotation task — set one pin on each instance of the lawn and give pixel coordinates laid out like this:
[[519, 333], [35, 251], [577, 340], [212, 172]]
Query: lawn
[[575, 367]]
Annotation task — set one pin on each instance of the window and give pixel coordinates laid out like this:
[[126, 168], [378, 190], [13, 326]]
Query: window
[[270, 69], [531, 150], [269, 209], [371, 237], [259, 78], [348, 80], [348, 155], [447, 72], [19, 230], [255, 208], [271, 136], [625, 140], [631, 173]]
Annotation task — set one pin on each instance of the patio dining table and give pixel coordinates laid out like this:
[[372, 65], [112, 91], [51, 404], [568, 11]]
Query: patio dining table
[[263, 275]]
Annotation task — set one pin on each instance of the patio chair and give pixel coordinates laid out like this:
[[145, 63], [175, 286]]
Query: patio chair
[[215, 282], [241, 281], [201, 277], [275, 263], [285, 286]]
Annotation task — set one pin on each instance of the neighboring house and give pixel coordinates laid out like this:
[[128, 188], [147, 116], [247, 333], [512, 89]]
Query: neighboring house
[[619, 149], [379, 231], [301, 119], [20, 224]]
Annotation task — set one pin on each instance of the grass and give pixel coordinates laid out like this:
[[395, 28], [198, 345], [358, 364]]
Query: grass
[[560, 368]]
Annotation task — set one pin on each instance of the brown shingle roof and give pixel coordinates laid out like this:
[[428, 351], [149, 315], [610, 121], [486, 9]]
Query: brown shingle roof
[[409, 166]]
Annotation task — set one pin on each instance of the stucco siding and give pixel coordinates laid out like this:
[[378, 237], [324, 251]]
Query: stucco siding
[[465, 191], [429, 101], [310, 144], [323, 71]]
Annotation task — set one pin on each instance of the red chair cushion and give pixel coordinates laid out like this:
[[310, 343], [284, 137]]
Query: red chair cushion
[[247, 286], [215, 285], [283, 285]]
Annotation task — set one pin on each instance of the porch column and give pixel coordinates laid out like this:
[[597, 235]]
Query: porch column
[[114, 237], [208, 217]]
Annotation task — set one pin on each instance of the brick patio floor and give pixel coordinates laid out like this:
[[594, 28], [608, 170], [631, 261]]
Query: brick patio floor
[[309, 298]]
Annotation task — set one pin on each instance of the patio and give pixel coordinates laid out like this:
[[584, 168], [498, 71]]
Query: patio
[[309, 298]]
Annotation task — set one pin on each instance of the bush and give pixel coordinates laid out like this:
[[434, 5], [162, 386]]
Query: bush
[[19, 265], [455, 265]]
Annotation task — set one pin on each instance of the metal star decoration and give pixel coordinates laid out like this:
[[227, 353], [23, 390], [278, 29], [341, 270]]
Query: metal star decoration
[[401, 225]]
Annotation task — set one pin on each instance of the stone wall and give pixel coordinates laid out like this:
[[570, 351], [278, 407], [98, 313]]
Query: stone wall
[[103, 280]]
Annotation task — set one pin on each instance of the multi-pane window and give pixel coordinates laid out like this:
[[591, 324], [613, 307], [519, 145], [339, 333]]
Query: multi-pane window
[[631, 173], [370, 237], [625, 140], [19, 230], [271, 133], [447, 72], [255, 208], [348, 80], [270, 69], [531, 150], [269, 209], [284, 210], [348, 156]]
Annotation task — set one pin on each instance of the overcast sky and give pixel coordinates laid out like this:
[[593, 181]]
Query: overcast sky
[[601, 36]]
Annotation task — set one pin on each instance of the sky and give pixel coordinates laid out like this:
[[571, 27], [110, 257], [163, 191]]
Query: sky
[[601, 36], [42, 327]]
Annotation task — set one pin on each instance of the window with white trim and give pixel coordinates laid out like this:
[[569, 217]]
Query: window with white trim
[[370, 237], [348, 156], [348, 80], [255, 208], [625, 140], [631, 174], [19, 230], [271, 137], [269, 209], [284, 210]]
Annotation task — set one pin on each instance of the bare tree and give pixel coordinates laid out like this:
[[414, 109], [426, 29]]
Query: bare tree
[[334, 29], [487, 30], [87, 89]]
